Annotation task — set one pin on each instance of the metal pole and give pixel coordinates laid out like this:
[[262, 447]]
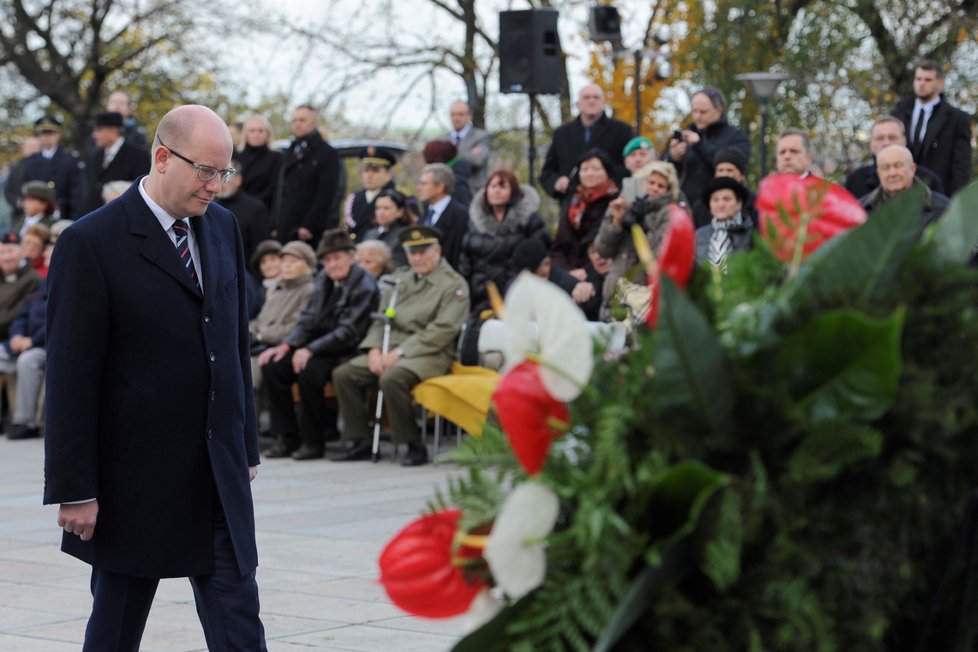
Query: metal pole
[[763, 138], [638, 92], [532, 150]]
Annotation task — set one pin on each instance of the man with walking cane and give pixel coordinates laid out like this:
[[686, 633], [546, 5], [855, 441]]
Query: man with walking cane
[[431, 305]]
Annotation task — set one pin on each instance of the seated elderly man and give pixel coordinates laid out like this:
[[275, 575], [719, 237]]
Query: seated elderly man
[[897, 174], [432, 302], [329, 329]]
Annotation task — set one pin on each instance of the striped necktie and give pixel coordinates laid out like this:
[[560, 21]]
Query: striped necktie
[[183, 249]]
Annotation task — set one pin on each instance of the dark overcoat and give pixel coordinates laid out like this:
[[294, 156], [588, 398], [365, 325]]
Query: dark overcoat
[[946, 146], [149, 404]]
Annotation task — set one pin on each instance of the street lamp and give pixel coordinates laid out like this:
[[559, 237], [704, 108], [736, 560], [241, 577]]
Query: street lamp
[[762, 85]]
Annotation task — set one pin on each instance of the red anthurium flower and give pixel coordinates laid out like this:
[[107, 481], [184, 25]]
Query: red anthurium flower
[[422, 571], [829, 208], [529, 415], [677, 255]]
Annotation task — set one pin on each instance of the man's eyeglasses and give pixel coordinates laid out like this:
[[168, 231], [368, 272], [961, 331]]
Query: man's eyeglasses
[[204, 172]]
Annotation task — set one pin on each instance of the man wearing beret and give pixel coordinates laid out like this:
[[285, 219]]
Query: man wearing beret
[[432, 302], [376, 174], [638, 153], [18, 283], [329, 329], [114, 158], [54, 164]]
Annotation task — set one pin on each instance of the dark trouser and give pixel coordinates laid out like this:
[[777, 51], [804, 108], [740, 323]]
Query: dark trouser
[[352, 380], [315, 416], [227, 605]]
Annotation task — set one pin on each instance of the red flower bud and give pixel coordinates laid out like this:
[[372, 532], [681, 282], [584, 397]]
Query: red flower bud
[[529, 415], [419, 568], [831, 209]]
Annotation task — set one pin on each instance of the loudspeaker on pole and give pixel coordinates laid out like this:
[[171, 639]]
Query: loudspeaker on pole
[[529, 52]]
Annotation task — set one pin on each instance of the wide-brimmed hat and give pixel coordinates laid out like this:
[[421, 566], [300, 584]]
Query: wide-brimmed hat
[[724, 183], [334, 240]]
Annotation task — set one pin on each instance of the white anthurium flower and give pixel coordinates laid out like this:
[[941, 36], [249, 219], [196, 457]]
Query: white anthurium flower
[[543, 321], [515, 549]]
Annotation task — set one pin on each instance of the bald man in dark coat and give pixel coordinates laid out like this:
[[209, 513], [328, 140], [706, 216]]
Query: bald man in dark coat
[[150, 433]]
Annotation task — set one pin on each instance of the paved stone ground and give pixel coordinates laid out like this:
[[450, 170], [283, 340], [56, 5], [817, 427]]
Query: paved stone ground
[[321, 526]]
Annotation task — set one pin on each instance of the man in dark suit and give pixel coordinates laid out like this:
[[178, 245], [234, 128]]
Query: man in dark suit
[[939, 134], [440, 210], [308, 194], [55, 164], [150, 431], [115, 159], [591, 128]]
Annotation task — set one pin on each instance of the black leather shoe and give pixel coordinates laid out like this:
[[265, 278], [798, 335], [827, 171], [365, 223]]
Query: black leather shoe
[[20, 431], [281, 448], [358, 451], [417, 454], [309, 452]]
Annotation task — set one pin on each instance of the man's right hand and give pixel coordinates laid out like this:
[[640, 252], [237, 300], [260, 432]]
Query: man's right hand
[[273, 354], [375, 362], [561, 184], [677, 149], [79, 518]]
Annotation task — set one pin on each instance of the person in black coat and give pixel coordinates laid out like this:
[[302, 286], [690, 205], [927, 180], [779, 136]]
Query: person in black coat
[[115, 159], [151, 439], [307, 201], [262, 165], [694, 149], [54, 164], [582, 211], [731, 163], [500, 217], [939, 134], [392, 214], [591, 129], [251, 213], [887, 130], [327, 335], [442, 211], [730, 230]]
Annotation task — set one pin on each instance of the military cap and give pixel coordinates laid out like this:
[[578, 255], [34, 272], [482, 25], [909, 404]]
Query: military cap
[[47, 122], [377, 157], [334, 240], [419, 236], [38, 189], [638, 142], [108, 119], [9, 237]]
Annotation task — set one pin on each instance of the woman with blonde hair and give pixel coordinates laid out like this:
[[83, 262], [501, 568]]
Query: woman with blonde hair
[[650, 211]]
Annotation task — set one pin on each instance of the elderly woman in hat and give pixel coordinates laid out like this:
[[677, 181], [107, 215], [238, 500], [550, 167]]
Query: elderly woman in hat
[[39, 206], [280, 312], [730, 229]]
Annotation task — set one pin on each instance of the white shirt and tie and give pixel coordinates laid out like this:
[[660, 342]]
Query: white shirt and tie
[[435, 210], [922, 111], [167, 221]]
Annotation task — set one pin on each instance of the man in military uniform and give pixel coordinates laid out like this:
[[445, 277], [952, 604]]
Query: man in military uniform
[[375, 172], [432, 303], [53, 163]]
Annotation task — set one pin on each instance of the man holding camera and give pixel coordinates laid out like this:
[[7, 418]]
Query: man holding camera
[[694, 149]]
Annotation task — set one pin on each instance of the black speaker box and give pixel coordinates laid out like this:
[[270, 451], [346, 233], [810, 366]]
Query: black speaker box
[[529, 52]]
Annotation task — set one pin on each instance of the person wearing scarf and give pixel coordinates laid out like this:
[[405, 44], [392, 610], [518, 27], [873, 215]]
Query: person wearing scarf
[[583, 210], [730, 230]]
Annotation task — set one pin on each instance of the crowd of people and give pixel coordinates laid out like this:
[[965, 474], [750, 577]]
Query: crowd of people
[[322, 261]]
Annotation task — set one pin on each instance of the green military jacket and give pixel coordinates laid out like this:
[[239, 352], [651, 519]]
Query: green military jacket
[[429, 314]]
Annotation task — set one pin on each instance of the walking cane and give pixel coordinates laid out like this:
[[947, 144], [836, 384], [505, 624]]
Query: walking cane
[[386, 317]]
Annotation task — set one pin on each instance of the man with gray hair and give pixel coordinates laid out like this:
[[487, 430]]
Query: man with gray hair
[[441, 211], [887, 130], [794, 152], [895, 168]]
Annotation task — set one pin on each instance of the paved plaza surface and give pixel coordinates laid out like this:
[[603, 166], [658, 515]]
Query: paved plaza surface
[[321, 526]]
